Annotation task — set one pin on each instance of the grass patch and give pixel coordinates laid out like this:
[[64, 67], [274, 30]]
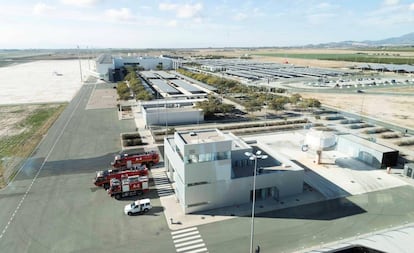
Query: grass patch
[[35, 126]]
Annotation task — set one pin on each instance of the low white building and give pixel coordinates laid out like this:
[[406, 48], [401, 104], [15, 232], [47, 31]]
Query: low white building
[[210, 170], [106, 64], [171, 112]]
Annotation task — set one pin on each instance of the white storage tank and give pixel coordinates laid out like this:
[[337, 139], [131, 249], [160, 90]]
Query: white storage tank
[[320, 140]]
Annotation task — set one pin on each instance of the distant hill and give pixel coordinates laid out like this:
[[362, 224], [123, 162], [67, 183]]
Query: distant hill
[[404, 40]]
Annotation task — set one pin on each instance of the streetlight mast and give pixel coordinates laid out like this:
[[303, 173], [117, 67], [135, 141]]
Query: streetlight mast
[[254, 156]]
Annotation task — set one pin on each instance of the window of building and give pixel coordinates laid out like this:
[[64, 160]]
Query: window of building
[[207, 157]]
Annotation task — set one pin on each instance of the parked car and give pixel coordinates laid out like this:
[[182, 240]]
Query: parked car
[[139, 206]]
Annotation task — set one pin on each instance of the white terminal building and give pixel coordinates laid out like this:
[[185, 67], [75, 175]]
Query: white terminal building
[[106, 64], [210, 170]]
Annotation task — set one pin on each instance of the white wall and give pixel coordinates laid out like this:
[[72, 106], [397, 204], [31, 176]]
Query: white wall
[[363, 153], [237, 191], [170, 116]]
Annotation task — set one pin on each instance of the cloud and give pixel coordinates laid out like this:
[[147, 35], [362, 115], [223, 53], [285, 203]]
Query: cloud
[[411, 7], [122, 14], [240, 16], [182, 10], [81, 3], [167, 6], [41, 9], [172, 23], [391, 2]]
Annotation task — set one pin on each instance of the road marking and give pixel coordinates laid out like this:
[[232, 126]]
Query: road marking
[[184, 234], [188, 240], [197, 250], [183, 231], [191, 247], [177, 245], [41, 166]]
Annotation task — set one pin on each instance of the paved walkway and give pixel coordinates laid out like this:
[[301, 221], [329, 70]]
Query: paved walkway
[[176, 218]]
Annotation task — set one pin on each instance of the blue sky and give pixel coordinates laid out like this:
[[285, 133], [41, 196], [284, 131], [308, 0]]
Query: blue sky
[[181, 24]]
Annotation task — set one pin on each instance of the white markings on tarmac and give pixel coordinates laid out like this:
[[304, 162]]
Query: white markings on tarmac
[[40, 169], [162, 183], [188, 241]]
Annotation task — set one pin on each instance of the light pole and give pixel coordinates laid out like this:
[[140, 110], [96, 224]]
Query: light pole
[[254, 156]]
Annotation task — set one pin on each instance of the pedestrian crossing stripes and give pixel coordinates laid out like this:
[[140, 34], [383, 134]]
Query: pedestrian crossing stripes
[[162, 183], [188, 240]]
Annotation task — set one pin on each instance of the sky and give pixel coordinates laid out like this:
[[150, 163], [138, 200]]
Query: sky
[[195, 24]]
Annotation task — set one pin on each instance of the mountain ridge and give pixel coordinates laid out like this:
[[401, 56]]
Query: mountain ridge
[[403, 40]]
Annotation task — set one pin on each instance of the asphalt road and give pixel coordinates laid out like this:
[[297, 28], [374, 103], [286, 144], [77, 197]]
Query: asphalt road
[[313, 225], [52, 205]]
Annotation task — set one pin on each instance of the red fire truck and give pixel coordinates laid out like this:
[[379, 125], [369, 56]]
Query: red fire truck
[[104, 177], [129, 186], [131, 160]]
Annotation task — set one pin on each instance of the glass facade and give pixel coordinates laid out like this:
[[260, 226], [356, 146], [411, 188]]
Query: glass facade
[[207, 157]]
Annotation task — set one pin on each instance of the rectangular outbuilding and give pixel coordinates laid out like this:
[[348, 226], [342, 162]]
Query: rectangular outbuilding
[[371, 153]]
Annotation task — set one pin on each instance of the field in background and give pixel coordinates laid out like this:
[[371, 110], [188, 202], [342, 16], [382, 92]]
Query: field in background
[[21, 129]]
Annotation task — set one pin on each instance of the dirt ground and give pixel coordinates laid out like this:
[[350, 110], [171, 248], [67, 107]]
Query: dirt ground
[[395, 109], [11, 116]]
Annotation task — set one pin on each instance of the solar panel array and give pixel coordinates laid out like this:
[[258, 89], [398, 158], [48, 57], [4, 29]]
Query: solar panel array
[[255, 70], [148, 74], [387, 67], [164, 87], [164, 75], [186, 86]]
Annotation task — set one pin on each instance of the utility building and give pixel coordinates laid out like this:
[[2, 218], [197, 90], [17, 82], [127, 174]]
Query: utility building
[[210, 170], [371, 153]]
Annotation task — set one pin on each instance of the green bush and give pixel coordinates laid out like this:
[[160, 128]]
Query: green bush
[[390, 135], [376, 130], [408, 142]]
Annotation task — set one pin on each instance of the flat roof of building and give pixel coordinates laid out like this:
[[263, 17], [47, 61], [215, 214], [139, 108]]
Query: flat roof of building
[[104, 59], [163, 86], [171, 109], [367, 143], [164, 74], [148, 74], [202, 136], [186, 86]]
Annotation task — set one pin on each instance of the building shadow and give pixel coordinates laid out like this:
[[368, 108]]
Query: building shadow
[[323, 210]]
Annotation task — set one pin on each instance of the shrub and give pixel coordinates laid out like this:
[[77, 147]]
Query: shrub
[[336, 117], [390, 136], [408, 142], [376, 130]]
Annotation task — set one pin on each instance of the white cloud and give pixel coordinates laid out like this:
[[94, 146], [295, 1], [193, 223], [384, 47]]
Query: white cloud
[[182, 10], [319, 18], [81, 3], [41, 9], [240, 16], [172, 23], [123, 14], [189, 11], [411, 7], [167, 6], [391, 2]]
